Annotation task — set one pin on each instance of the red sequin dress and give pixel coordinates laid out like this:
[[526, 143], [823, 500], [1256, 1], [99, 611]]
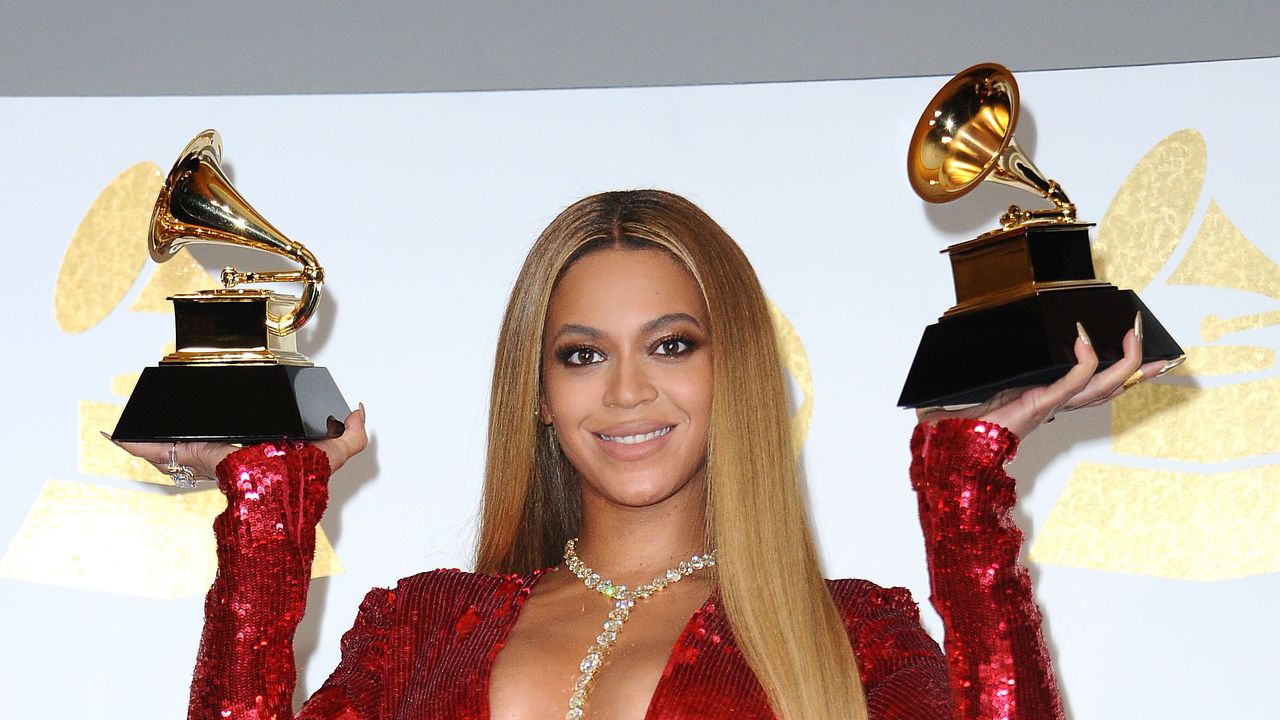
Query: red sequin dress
[[426, 648]]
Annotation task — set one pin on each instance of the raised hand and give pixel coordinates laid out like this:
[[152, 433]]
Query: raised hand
[[1022, 410], [203, 457]]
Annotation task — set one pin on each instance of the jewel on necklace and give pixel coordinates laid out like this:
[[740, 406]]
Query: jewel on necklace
[[623, 600]]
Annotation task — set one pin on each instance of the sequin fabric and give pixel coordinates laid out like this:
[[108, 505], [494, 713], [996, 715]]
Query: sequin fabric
[[996, 656], [425, 649], [265, 543]]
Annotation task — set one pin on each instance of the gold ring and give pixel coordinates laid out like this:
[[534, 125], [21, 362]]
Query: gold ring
[[1133, 379]]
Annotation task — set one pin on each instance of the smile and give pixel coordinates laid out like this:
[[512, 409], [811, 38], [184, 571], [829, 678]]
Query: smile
[[635, 439]]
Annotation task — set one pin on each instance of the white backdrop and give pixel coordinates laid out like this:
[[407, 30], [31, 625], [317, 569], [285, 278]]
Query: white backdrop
[[421, 208]]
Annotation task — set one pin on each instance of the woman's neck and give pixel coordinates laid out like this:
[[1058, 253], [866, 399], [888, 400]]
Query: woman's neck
[[633, 545]]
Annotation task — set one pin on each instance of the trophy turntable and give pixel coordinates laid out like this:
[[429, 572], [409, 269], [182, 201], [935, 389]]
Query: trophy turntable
[[236, 374], [1021, 288]]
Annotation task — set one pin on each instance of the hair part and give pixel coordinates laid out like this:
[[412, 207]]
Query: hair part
[[769, 577]]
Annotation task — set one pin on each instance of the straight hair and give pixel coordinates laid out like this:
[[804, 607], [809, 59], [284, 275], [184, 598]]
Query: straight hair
[[770, 582]]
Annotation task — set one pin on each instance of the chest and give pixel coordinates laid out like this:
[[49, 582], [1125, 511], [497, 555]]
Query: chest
[[673, 661]]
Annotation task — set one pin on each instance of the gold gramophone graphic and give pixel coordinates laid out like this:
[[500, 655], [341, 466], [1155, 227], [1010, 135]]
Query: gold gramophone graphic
[[1020, 289], [236, 374]]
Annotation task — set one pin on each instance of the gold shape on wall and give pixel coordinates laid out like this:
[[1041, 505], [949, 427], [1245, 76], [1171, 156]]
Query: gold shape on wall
[[1198, 424], [796, 361], [1189, 523], [1210, 360], [1164, 523], [1151, 211], [122, 385], [1220, 256], [99, 456], [181, 274], [134, 542], [108, 249]]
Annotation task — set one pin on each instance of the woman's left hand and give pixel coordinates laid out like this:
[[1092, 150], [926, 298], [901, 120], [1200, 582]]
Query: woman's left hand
[[1022, 410]]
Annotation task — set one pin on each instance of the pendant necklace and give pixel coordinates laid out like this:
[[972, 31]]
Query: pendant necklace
[[623, 599]]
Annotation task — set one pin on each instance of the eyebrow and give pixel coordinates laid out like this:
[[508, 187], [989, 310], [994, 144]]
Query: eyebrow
[[651, 326]]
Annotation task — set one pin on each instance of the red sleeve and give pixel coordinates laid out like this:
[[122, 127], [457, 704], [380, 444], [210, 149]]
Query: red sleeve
[[903, 673], [996, 657], [276, 493]]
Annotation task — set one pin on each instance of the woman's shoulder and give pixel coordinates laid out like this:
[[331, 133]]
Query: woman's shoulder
[[446, 589], [855, 598], [884, 628]]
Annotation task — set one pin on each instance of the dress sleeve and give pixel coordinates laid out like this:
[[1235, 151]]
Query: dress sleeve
[[998, 664], [276, 493], [902, 669]]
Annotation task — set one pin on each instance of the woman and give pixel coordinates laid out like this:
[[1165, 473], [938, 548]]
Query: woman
[[638, 405]]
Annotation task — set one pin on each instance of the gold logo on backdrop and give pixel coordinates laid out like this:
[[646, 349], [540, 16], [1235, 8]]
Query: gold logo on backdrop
[[1192, 524], [150, 543], [796, 362]]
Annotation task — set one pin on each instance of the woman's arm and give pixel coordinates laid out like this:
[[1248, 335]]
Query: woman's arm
[[276, 493], [245, 669], [995, 651]]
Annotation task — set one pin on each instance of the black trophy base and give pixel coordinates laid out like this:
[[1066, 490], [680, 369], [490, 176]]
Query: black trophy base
[[968, 357], [232, 403]]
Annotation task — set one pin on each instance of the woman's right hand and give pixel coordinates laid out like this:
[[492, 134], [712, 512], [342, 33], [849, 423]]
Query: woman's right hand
[[203, 457]]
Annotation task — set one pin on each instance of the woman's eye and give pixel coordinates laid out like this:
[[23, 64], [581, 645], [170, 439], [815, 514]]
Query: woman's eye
[[673, 346], [582, 356]]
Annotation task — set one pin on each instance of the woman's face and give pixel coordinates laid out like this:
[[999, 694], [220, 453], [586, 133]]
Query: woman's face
[[627, 376]]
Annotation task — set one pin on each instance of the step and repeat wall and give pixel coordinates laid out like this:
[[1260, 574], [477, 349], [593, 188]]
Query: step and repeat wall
[[1153, 525]]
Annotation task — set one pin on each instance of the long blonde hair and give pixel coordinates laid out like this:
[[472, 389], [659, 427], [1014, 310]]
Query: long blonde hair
[[770, 583]]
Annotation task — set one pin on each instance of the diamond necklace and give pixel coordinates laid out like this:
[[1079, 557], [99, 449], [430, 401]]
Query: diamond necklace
[[623, 600]]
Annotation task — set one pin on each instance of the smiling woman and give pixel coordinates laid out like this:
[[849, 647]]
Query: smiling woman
[[639, 445]]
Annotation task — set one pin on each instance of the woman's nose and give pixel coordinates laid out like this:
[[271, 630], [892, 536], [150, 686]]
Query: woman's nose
[[629, 385]]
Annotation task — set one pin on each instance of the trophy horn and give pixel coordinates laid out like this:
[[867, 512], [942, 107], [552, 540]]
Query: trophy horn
[[199, 205], [966, 136]]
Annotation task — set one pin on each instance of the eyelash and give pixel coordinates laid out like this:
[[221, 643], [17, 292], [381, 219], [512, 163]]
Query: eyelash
[[566, 355]]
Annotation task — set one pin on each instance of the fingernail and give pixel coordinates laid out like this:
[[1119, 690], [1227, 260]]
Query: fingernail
[[110, 439], [1172, 364], [1084, 336], [361, 408], [1137, 327]]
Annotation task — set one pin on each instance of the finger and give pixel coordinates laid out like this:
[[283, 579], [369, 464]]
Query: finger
[[353, 440], [152, 452], [1055, 396], [1108, 383], [1146, 372]]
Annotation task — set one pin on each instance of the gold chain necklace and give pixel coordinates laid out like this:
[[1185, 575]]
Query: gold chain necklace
[[623, 600]]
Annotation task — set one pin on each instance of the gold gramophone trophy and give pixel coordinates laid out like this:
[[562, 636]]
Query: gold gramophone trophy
[[236, 374], [1020, 289]]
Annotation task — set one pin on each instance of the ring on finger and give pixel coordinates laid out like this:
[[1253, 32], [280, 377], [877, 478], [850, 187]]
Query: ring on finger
[[1133, 379], [183, 476]]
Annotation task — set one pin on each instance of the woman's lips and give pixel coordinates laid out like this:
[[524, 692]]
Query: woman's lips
[[636, 445], [636, 438]]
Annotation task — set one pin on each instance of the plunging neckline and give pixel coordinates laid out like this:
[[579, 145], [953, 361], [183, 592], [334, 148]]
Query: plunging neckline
[[530, 585]]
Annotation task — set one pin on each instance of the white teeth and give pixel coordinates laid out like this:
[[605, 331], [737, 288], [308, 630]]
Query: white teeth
[[634, 439]]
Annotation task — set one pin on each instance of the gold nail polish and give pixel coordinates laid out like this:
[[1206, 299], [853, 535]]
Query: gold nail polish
[[1137, 327], [1084, 336], [1172, 364]]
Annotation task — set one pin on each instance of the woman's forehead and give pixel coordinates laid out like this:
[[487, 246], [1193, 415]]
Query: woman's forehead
[[622, 287]]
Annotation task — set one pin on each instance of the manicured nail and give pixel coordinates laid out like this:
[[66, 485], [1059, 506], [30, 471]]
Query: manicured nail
[[361, 409], [1137, 327], [110, 439], [1172, 364], [1084, 336], [1133, 379]]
